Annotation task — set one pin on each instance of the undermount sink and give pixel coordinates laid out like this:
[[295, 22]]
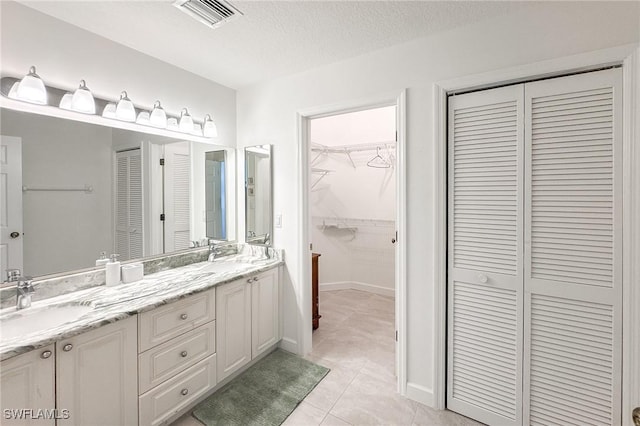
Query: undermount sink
[[223, 267], [34, 319]]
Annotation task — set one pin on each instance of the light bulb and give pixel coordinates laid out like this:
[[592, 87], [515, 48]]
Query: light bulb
[[109, 110], [31, 88], [209, 128], [82, 100], [158, 118], [125, 110], [186, 122]]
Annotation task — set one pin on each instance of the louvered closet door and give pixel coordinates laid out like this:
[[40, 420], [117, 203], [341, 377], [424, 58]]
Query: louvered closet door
[[485, 268], [573, 250], [129, 230]]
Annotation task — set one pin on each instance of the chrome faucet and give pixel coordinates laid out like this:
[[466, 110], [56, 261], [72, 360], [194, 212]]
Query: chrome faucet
[[24, 288], [213, 251]]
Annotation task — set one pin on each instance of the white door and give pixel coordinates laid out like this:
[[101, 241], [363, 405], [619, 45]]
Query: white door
[[97, 375], [233, 326], [129, 236], [573, 250], [485, 270], [177, 199], [265, 318], [10, 204]]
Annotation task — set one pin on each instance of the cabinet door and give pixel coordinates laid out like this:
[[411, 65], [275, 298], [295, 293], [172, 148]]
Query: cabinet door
[[233, 334], [97, 376], [265, 296], [27, 383]]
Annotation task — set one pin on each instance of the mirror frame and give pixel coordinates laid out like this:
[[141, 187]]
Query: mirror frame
[[247, 239]]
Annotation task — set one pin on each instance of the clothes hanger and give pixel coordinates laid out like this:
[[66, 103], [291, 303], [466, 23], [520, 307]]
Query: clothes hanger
[[378, 162]]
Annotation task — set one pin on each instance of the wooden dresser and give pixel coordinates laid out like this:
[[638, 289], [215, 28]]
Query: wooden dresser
[[314, 291]]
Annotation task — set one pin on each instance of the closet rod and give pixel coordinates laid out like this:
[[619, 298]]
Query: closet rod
[[87, 188]]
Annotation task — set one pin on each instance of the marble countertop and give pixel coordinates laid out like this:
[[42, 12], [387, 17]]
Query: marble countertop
[[111, 304]]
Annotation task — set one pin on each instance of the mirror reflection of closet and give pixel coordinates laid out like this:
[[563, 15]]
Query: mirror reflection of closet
[[216, 194], [258, 195]]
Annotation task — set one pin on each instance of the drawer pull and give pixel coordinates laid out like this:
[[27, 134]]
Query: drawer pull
[[183, 354], [45, 354], [184, 316], [184, 391], [67, 347]]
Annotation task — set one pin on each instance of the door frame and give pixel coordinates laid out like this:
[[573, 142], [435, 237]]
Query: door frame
[[303, 118], [629, 57]]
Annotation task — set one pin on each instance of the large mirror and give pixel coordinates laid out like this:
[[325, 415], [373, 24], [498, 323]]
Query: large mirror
[[71, 190], [258, 198]]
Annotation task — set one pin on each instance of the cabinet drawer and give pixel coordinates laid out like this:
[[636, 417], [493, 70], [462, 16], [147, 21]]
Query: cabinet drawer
[[174, 395], [168, 359], [166, 322]]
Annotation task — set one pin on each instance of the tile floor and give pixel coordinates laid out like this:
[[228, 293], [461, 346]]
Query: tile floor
[[356, 340]]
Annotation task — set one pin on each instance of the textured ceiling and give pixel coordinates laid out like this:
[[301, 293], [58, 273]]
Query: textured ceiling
[[273, 38]]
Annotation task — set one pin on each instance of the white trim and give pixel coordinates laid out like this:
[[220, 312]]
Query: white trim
[[631, 238], [289, 345], [304, 291], [355, 285], [626, 55], [421, 394]]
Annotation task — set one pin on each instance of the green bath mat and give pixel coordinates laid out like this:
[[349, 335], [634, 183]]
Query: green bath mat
[[264, 395]]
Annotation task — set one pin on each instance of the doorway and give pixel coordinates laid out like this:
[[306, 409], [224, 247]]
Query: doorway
[[325, 218]]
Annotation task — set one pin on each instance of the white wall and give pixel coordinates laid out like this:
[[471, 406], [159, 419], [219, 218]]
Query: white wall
[[360, 199], [64, 54], [267, 112], [63, 230]]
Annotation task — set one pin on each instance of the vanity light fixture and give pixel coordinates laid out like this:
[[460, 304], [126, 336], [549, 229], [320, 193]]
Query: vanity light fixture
[[143, 118], [209, 127], [172, 124], [158, 118], [13, 93], [109, 110], [82, 100], [31, 88], [197, 129], [65, 102], [186, 122], [124, 109]]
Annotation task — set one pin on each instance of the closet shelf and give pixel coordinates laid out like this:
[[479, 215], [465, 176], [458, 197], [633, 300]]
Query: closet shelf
[[321, 173], [348, 149]]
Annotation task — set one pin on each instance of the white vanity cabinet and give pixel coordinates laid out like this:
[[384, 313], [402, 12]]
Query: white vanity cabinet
[[177, 359], [96, 376], [27, 381], [248, 320]]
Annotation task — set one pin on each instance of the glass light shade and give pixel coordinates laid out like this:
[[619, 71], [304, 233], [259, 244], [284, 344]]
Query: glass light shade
[[172, 124], [158, 118], [186, 122], [143, 118], [125, 110], [209, 128], [82, 100], [109, 111], [65, 102], [31, 88], [197, 129], [13, 93]]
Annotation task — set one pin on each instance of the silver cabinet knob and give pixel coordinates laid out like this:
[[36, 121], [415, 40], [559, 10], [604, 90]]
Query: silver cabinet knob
[[250, 280], [184, 316], [67, 347], [184, 391], [483, 278], [255, 279], [183, 354], [45, 354], [636, 416]]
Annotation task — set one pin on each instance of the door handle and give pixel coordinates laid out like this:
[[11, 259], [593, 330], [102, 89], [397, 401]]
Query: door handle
[[14, 234]]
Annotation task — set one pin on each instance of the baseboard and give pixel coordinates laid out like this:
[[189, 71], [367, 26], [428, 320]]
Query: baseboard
[[354, 285], [421, 394], [289, 345]]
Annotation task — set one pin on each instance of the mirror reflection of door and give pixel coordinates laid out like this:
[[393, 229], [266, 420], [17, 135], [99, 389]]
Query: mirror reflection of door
[[259, 217], [215, 195], [10, 204], [177, 200], [129, 229]]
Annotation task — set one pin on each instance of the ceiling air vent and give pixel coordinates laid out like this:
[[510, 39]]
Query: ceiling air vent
[[210, 12]]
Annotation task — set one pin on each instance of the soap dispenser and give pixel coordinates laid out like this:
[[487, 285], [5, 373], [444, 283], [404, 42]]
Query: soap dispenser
[[112, 271], [103, 259]]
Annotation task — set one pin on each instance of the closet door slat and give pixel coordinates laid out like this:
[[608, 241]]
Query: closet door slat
[[485, 255], [573, 239]]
